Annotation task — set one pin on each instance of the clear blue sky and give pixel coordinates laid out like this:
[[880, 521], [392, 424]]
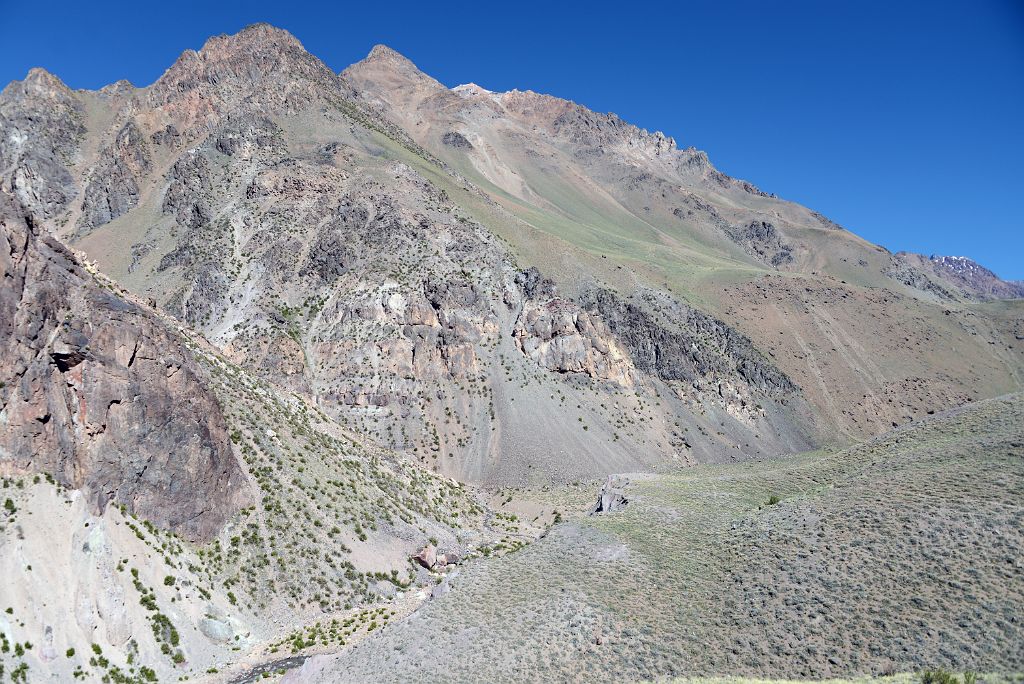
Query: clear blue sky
[[903, 121]]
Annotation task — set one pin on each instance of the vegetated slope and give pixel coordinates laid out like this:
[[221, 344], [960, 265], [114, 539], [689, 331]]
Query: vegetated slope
[[164, 512], [872, 338], [315, 242], [894, 555]]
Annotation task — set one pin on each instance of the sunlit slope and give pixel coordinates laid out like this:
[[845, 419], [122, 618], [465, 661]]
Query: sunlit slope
[[894, 555]]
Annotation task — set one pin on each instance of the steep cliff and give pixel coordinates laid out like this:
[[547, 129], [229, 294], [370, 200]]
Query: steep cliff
[[101, 395]]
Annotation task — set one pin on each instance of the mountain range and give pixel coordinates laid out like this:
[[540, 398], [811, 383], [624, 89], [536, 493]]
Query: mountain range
[[289, 353]]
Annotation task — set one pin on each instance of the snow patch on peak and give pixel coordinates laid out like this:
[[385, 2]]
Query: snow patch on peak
[[471, 89], [959, 264]]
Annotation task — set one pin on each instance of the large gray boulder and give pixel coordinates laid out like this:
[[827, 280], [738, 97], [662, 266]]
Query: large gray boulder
[[612, 496]]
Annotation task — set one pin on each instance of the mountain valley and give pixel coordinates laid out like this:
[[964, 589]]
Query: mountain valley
[[319, 375]]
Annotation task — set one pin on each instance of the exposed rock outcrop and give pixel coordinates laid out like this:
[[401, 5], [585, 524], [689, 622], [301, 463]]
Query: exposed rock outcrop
[[42, 124], [456, 139], [427, 557], [904, 270], [102, 396], [763, 241], [188, 195], [612, 496], [676, 342], [561, 337], [113, 187]]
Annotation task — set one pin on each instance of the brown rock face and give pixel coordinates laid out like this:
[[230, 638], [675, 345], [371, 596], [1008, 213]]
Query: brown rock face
[[560, 337], [427, 557], [101, 395]]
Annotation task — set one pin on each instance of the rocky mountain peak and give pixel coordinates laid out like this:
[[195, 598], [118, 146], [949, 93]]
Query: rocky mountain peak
[[381, 52], [259, 47], [260, 63], [253, 40], [118, 88], [384, 61], [471, 89], [966, 275], [38, 83], [385, 70], [974, 277]]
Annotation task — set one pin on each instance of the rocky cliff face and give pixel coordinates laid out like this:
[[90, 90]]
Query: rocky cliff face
[[99, 394], [677, 342], [112, 189], [559, 336], [42, 124]]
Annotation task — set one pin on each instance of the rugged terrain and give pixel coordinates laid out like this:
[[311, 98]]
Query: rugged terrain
[[284, 349], [136, 460]]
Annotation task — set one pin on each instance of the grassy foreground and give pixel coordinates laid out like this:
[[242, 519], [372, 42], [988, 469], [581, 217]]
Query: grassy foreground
[[898, 555]]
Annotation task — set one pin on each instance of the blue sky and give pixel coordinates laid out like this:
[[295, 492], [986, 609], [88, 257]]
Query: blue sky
[[903, 121]]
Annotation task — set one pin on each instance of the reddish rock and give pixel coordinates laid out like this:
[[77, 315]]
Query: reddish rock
[[102, 395]]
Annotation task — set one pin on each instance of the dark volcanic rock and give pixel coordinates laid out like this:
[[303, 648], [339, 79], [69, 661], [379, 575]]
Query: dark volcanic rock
[[249, 136], [168, 135], [763, 241], [455, 139], [534, 285], [101, 395], [329, 257], [188, 195], [113, 188], [685, 344]]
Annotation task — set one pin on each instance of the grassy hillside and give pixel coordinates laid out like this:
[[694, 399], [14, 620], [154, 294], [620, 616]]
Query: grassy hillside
[[895, 555]]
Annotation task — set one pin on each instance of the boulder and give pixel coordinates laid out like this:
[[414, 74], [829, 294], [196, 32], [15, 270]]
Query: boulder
[[427, 557], [612, 496]]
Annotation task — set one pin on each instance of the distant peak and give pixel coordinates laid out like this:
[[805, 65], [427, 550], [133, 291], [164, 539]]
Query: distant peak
[[121, 87], [40, 82], [471, 89], [384, 60], [265, 31], [382, 54], [382, 51], [260, 61], [38, 76], [254, 37]]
